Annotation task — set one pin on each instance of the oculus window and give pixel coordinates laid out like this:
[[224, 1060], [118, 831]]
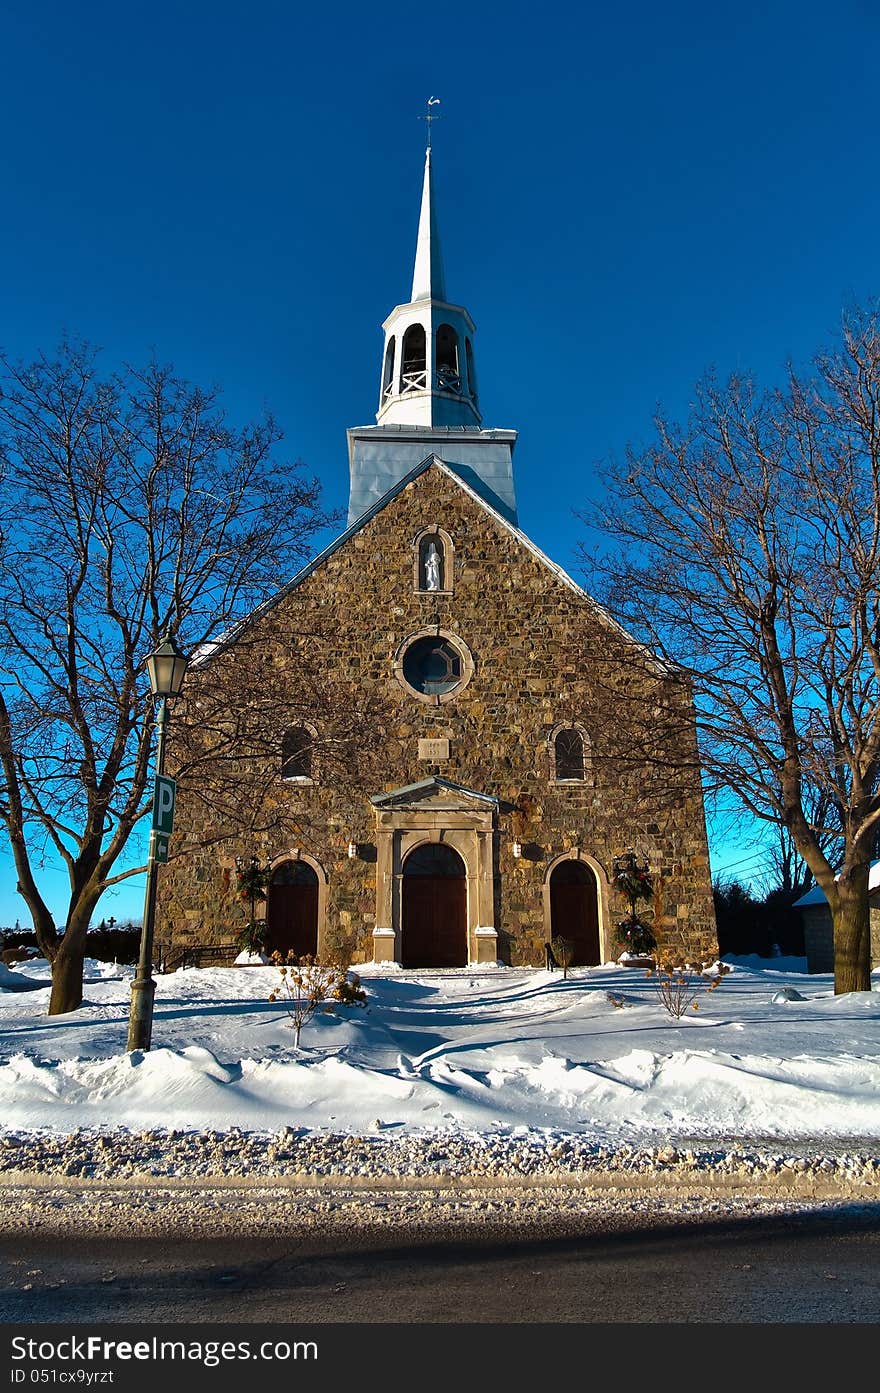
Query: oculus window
[[433, 666]]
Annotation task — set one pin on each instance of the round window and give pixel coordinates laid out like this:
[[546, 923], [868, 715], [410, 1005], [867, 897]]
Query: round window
[[433, 666]]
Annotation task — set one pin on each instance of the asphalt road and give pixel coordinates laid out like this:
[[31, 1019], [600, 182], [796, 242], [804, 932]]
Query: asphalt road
[[809, 1267]]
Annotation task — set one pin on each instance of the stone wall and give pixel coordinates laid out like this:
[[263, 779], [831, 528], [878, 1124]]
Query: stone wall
[[819, 937], [542, 653]]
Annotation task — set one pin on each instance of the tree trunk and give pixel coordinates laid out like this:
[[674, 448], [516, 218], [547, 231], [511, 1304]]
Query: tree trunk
[[852, 933], [67, 975]]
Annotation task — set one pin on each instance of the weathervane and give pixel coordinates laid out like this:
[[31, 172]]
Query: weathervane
[[431, 116]]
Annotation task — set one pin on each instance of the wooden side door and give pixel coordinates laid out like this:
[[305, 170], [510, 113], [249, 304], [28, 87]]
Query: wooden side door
[[574, 911], [292, 914]]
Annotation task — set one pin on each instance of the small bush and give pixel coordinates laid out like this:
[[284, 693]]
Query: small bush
[[252, 938], [349, 991], [304, 983], [563, 952], [18, 938], [636, 936], [120, 945], [681, 984], [106, 943]]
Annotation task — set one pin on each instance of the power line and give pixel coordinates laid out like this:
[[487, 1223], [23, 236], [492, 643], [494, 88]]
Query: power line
[[755, 859]]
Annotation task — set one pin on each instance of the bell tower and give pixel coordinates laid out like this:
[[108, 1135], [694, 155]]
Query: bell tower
[[428, 374], [428, 400]]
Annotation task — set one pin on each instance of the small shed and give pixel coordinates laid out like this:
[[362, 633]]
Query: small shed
[[818, 930]]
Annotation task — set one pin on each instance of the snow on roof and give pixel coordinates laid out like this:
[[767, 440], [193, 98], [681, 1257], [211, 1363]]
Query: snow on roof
[[817, 895]]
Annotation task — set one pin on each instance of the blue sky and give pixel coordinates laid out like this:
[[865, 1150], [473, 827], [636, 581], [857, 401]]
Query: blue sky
[[627, 195]]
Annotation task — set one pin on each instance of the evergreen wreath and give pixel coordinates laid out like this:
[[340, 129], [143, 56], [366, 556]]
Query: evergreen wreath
[[251, 880], [635, 882]]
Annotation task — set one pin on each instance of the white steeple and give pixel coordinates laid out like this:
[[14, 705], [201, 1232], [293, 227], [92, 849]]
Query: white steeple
[[428, 374], [428, 282], [428, 392]]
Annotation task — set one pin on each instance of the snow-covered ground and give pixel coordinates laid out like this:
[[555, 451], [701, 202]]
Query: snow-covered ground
[[488, 1051]]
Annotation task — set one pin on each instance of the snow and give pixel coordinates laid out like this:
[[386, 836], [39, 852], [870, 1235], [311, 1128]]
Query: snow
[[816, 895], [470, 1050]]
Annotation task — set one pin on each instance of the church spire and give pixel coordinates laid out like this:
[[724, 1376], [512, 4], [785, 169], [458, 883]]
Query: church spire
[[428, 374], [428, 280], [428, 389]]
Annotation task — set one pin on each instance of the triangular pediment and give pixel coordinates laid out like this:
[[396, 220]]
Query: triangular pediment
[[430, 462], [434, 794]]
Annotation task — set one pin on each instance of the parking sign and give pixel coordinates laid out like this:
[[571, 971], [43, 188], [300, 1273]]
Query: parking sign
[[163, 805]]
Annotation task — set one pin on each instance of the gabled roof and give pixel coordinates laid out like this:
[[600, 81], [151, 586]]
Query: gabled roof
[[816, 895], [430, 461]]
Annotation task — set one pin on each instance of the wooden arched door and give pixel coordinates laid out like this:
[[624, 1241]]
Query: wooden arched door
[[292, 911], [434, 908], [574, 910]]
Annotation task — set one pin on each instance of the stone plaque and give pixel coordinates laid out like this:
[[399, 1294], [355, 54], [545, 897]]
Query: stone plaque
[[434, 750]]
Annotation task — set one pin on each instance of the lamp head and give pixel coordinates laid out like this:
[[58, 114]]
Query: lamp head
[[167, 668]]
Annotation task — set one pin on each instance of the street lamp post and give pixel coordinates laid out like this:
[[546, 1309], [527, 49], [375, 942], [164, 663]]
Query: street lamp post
[[166, 668]]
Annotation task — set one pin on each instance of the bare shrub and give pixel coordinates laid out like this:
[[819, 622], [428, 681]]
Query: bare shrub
[[681, 984], [563, 952], [305, 984]]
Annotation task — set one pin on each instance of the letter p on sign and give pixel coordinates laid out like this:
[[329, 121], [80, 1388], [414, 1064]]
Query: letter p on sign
[[163, 805]]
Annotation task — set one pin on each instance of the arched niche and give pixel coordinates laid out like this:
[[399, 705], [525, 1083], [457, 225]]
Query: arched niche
[[446, 556]]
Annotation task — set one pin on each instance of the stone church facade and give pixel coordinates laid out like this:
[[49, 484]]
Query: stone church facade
[[488, 815]]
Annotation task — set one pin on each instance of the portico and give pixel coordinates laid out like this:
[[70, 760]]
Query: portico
[[434, 811]]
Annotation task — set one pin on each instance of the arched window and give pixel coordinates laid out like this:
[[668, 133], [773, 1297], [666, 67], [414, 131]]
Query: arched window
[[568, 755], [388, 371], [413, 375], [448, 366], [471, 370], [432, 563], [296, 753]]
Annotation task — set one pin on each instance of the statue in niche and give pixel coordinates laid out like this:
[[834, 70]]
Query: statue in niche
[[432, 567]]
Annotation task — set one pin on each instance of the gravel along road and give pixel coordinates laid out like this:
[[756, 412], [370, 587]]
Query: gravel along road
[[294, 1225], [522, 1157]]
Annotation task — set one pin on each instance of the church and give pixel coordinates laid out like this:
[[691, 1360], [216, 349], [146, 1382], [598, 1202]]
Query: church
[[510, 743]]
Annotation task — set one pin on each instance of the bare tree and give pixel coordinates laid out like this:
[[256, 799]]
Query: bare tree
[[789, 876], [749, 558], [129, 508], [271, 674]]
